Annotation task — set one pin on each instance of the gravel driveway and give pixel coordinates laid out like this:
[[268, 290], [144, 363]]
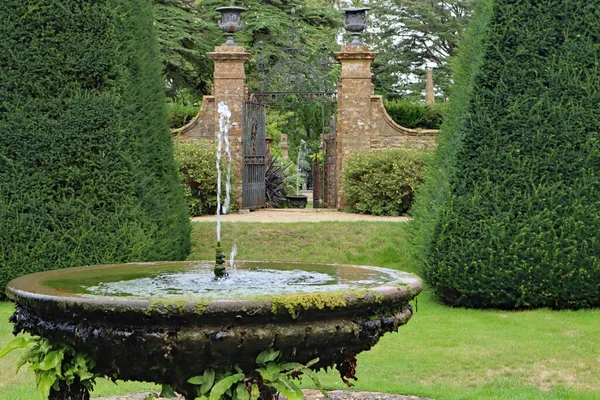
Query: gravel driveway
[[295, 215]]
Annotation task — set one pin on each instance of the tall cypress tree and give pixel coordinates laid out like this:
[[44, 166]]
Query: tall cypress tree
[[87, 173], [509, 214]]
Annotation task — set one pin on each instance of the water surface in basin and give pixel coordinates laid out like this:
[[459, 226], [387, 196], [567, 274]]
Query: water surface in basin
[[196, 279]]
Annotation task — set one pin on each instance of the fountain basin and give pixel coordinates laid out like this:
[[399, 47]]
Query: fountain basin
[[330, 312]]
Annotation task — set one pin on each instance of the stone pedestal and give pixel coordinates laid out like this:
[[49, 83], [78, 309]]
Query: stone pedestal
[[354, 105], [283, 145], [229, 85]]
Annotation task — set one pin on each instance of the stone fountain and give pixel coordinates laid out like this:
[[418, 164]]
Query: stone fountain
[[186, 323]]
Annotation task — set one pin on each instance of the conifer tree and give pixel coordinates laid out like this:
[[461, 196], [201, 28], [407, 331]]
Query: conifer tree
[[87, 173], [508, 216]]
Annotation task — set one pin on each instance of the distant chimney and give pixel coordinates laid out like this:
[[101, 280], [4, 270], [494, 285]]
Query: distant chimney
[[429, 97]]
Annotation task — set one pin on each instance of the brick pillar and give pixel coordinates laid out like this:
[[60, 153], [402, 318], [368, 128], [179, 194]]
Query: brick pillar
[[229, 85], [354, 107]]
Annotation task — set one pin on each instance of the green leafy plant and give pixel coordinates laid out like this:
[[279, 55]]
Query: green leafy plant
[[281, 376], [382, 183], [53, 363], [270, 373], [276, 177]]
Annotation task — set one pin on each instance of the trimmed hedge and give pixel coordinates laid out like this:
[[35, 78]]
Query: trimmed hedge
[[416, 115], [198, 171], [509, 215], [382, 183], [180, 114], [87, 173]]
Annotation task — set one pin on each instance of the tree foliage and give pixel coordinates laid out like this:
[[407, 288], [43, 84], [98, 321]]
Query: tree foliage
[[188, 30], [185, 36], [412, 35], [509, 213]]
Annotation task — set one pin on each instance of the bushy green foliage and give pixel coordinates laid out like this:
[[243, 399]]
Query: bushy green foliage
[[382, 183], [87, 173], [181, 114], [508, 216], [197, 167], [416, 115]]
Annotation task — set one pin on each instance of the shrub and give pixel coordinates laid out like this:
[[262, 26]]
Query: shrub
[[197, 167], [180, 114], [416, 115], [508, 216], [276, 179], [87, 173], [382, 183]]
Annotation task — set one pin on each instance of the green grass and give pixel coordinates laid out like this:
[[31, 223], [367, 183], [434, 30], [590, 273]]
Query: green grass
[[442, 353]]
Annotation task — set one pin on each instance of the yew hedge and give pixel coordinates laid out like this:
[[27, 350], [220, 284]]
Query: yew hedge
[[87, 173]]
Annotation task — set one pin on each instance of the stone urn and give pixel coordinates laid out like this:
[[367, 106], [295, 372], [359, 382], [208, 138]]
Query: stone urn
[[231, 22], [297, 201], [355, 23]]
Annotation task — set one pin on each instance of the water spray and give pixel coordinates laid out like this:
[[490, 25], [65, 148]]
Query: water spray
[[222, 136]]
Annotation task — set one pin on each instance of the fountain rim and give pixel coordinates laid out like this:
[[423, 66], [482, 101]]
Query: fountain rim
[[28, 290]]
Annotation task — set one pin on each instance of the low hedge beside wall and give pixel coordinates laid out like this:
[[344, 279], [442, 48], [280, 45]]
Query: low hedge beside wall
[[416, 115], [198, 171], [382, 183]]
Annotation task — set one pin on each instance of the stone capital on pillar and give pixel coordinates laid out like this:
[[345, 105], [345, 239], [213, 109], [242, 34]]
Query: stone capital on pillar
[[356, 61], [229, 62]]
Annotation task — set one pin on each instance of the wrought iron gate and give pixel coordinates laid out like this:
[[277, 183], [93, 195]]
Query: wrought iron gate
[[330, 167], [254, 155]]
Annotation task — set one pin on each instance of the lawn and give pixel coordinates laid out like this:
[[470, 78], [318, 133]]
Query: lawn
[[443, 353]]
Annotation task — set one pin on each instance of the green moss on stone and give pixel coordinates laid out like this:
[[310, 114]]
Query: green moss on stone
[[294, 303], [177, 305]]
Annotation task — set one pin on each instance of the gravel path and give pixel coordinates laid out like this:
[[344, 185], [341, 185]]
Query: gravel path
[[289, 215]]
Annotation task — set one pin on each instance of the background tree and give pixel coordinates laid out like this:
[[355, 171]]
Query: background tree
[[187, 30], [185, 36], [412, 35]]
